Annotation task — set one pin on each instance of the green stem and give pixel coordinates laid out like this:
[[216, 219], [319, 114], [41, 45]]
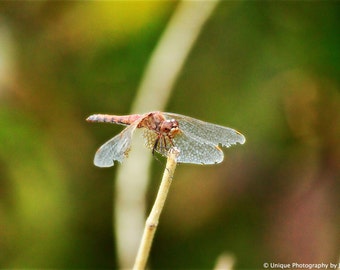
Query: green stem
[[153, 219]]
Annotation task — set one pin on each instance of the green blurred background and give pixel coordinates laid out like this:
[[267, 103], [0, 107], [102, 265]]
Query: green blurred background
[[269, 69]]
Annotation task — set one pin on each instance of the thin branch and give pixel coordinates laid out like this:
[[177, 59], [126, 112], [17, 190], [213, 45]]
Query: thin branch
[[153, 219], [225, 261], [154, 91]]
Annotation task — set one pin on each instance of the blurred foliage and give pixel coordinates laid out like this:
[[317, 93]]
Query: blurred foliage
[[269, 69]]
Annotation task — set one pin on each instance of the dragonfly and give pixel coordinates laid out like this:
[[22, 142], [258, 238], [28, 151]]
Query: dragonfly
[[197, 141]]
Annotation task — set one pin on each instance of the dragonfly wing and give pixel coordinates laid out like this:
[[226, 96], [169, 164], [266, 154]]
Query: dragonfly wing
[[150, 138], [191, 150], [115, 149], [205, 131], [197, 151]]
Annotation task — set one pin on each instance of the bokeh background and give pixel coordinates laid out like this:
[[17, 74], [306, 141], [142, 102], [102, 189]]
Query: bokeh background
[[269, 69]]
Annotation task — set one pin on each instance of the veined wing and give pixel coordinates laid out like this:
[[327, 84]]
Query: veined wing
[[207, 132], [197, 151], [115, 149], [191, 150]]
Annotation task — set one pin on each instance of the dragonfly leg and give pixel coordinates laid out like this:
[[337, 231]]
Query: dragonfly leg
[[164, 143], [155, 146], [171, 142]]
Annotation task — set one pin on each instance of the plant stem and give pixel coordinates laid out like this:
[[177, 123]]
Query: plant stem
[[152, 221], [160, 75]]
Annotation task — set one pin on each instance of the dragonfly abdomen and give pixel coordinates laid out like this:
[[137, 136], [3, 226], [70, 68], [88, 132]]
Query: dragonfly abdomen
[[106, 118]]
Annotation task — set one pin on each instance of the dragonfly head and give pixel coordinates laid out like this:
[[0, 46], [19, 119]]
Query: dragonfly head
[[169, 128]]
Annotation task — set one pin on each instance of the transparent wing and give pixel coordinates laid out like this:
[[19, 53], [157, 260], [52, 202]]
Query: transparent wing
[[115, 149], [150, 138], [207, 132], [191, 150], [197, 151]]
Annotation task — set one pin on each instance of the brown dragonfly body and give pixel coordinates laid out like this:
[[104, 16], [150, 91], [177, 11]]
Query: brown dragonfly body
[[196, 140]]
